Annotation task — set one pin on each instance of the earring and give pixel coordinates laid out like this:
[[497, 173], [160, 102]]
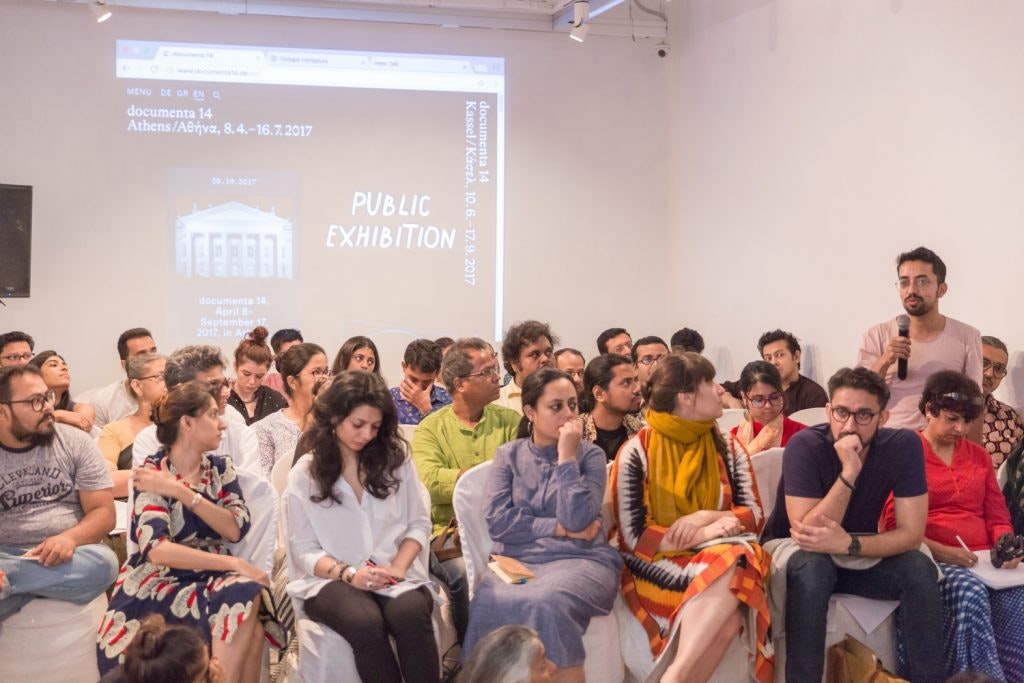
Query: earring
[[529, 427]]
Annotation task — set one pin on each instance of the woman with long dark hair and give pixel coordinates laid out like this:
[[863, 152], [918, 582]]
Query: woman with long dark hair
[[54, 370], [544, 509], [356, 525], [357, 353], [764, 425]]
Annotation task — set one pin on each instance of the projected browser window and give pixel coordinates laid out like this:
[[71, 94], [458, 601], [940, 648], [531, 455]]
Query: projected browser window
[[364, 187]]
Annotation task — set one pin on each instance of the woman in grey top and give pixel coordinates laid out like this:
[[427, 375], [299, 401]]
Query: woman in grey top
[[544, 509]]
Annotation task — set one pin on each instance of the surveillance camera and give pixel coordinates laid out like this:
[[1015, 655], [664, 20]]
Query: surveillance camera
[[663, 49]]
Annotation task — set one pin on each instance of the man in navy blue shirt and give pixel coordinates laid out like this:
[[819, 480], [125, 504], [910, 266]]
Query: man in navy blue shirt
[[418, 396], [836, 478]]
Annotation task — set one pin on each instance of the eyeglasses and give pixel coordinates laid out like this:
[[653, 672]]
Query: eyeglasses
[[761, 401], [921, 282], [318, 373], [15, 357], [37, 402], [159, 378], [998, 369], [861, 417], [492, 371], [650, 360]]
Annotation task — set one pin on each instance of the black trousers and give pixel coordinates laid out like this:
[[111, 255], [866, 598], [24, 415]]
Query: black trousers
[[367, 621]]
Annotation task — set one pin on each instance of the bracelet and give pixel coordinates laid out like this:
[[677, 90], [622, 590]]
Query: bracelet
[[346, 576], [334, 566], [848, 484], [195, 500]]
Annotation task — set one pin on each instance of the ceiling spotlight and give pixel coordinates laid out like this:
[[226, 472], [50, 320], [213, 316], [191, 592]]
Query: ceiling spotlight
[[100, 11], [580, 13]]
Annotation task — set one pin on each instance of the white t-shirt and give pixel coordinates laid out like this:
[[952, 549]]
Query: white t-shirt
[[39, 486], [111, 403], [511, 396], [958, 347]]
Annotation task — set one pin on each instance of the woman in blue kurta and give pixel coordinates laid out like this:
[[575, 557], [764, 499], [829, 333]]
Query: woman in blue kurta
[[544, 509], [187, 506]]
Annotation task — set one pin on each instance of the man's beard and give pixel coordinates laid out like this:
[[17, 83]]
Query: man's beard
[[40, 436]]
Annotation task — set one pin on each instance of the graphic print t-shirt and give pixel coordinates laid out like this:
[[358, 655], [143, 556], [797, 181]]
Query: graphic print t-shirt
[[39, 486]]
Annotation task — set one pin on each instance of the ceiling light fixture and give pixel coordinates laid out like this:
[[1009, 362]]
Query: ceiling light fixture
[[100, 11], [580, 13]]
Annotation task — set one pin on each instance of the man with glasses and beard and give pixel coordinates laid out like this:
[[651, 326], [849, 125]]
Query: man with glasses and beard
[[205, 364], [56, 501], [836, 478], [934, 342], [450, 441]]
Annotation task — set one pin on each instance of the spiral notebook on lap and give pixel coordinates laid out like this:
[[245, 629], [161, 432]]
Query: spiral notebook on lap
[[997, 578]]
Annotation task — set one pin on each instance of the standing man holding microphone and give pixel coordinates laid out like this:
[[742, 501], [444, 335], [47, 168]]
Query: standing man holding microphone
[[907, 349]]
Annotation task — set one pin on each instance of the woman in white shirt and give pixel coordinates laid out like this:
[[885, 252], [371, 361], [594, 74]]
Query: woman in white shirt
[[356, 525]]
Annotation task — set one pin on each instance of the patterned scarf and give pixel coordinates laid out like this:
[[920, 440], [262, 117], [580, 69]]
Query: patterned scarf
[[770, 435], [682, 465]]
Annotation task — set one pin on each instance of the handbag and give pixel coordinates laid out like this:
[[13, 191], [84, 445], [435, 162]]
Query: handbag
[[447, 545], [851, 661]]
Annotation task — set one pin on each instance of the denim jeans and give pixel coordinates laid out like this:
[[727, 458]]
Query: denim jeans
[[89, 572], [910, 577]]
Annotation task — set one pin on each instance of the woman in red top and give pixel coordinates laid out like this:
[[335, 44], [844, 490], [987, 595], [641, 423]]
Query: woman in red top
[[983, 629], [765, 426]]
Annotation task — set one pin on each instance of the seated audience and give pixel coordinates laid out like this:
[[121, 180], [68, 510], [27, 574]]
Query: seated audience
[[835, 481], [249, 396], [356, 525], [764, 425], [614, 340], [528, 346], [204, 364], [1002, 428], [146, 382], [983, 629], [187, 507], [686, 339], [162, 653], [303, 370], [281, 341], [646, 354], [445, 343], [544, 509], [418, 395], [357, 353], [55, 373], [117, 400], [571, 362], [782, 350], [57, 505], [676, 490], [452, 440], [15, 348], [510, 654], [613, 397]]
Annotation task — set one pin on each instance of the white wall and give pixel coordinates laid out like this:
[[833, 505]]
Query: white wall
[[813, 141], [586, 188]]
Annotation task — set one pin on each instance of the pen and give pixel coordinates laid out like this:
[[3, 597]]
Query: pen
[[964, 546], [394, 582]]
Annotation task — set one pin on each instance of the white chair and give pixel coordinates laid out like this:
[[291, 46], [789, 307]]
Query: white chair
[[601, 641], [730, 418], [810, 416], [767, 471], [326, 656], [408, 431], [51, 641]]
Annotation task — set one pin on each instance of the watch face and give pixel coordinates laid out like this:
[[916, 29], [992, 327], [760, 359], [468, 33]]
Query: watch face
[[854, 546]]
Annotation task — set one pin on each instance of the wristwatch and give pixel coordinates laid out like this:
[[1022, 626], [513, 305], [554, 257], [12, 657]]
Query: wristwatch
[[347, 574], [854, 549]]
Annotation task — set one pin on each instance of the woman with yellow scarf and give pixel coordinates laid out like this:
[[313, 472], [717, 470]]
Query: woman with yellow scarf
[[683, 504]]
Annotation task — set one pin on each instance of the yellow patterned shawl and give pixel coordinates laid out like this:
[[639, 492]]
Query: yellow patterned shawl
[[682, 461]]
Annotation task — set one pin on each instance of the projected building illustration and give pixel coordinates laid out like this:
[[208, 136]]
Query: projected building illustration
[[233, 240]]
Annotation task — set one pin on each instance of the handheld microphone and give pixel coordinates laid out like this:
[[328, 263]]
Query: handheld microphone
[[903, 325]]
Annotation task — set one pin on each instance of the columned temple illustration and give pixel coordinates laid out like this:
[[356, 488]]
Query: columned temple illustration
[[233, 240]]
